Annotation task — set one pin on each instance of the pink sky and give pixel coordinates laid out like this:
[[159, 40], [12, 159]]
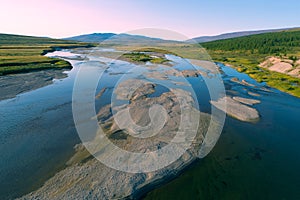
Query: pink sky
[[55, 18], [64, 18], [61, 18]]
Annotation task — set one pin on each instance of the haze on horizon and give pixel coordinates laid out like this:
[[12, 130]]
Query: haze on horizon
[[64, 18]]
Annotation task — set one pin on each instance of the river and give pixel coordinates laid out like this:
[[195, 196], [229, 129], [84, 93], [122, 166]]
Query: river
[[251, 160]]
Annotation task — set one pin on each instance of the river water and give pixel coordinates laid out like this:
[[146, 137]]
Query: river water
[[251, 160]]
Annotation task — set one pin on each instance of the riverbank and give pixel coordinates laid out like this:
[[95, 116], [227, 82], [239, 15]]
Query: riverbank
[[282, 82], [24, 66], [13, 84], [272, 58], [21, 54]]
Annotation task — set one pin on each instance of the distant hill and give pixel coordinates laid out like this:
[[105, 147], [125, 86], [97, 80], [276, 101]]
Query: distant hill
[[235, 34], [117, 38], [281, 42], [94, 37], [9, 39]]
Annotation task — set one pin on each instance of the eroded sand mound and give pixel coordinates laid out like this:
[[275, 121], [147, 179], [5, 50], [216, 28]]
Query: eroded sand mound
[[237, 110], [281, 65]]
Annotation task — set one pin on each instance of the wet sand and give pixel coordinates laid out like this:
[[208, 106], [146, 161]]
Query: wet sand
[[14, 84]]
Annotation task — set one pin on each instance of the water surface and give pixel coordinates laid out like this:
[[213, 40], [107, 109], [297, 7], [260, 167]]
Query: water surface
[[251, 160], [261, 160]]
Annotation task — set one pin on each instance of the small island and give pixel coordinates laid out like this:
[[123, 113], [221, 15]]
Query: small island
[[235, 109]]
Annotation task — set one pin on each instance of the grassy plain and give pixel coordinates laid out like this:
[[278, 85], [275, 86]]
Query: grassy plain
[[24, 53]]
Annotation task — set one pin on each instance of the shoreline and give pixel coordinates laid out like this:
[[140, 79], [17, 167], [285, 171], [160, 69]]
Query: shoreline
[[13, 85], [16, 83], [22, 59], [142, 192], [269, 82]]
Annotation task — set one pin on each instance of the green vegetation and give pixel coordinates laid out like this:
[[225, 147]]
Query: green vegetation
[[245, 53], [277, 43], [25, 53], [277, 80], [142, 57], [185, 50], [156, 50], [20, 40]]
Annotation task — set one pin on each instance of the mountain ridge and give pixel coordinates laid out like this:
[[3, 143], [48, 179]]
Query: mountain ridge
[[116, 38], [229, 35], [123, 37]]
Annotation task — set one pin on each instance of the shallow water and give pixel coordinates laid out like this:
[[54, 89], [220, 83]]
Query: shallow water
[[37, 136], [251, 160]]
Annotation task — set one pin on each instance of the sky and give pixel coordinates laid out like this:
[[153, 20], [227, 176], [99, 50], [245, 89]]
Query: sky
[[191, 18]]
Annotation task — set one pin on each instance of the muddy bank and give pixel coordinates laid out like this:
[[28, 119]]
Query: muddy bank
[[246, 100], [234, 108], [14, 84]]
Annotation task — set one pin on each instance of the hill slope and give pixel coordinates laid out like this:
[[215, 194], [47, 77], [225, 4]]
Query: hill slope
[[94, 37], [9, 39], [234, 35], [268, 43], [112, 38], [247, 53]]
